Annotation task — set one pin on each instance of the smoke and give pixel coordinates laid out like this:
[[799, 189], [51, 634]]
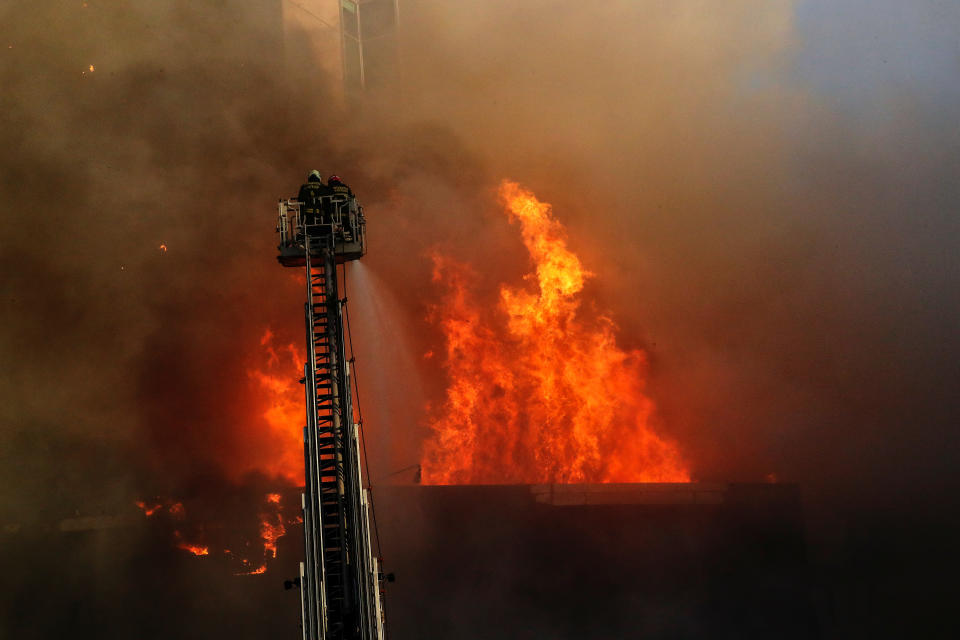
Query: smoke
[[768, 204], [787, 265], [767, 195]]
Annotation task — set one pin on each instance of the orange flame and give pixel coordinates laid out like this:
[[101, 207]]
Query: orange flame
[[539, 391], [271, 521], [195, 549], [284, 408], [148, 511], [271, 526], [276, 418], [175, 509], [253, 572]]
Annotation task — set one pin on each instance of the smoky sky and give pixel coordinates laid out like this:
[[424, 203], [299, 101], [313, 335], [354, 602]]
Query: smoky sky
[[766, 194], [766, 191]]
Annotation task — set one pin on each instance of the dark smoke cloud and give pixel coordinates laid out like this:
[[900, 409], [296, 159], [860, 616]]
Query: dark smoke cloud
[[785, 251], [156, 145]]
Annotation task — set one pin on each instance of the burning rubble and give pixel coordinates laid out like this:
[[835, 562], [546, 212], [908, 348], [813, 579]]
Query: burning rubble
[[277, 414], [197, 538]]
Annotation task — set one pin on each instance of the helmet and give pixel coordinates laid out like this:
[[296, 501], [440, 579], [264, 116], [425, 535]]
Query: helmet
[[334, 178], [314, 176]]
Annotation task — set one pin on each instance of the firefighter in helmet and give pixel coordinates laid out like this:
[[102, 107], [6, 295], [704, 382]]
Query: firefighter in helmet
[[310, 198], [338, 187]]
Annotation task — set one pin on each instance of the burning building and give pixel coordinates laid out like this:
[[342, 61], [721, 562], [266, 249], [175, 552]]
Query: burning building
[[764, 195]]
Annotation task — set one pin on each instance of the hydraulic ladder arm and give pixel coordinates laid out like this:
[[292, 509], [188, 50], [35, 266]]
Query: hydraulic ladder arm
[[341, 584]]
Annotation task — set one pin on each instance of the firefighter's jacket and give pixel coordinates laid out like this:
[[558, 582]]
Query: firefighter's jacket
[[309, 196], [338, 188]]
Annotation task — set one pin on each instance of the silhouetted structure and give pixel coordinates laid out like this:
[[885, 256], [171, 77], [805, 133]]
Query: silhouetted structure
[[368, 40], [651, 561]]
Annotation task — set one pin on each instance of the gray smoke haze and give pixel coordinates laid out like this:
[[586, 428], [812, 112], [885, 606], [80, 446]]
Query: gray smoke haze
[[770, 211], [788, 261]]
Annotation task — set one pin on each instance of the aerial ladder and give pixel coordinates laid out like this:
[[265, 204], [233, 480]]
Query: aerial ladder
[[341, 584]]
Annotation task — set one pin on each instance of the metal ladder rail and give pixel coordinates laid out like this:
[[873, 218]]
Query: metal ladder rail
[[367, 610], [332, 452], [353, 482], [312, 584], [332, 497], [355, 547], [341, 591]]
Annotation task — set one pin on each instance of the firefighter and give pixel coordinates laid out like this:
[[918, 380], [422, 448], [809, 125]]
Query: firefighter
[[309, 197], [338, 187]]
